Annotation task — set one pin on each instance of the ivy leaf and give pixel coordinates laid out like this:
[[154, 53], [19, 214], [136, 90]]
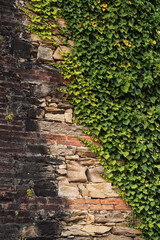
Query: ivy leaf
[[153, 99], [151, 127], [157, 166], [125, 88], [158, 224], [125, 154], [126, 122], [144, 167]]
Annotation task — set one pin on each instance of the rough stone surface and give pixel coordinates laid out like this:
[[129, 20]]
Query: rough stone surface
[[139, 238], [45, 53], [41, 90], [35, 38], [86, 230], [66, 190], [54, 110], [57, 55], [126, 231], [61, 150], [74, 157], [84, 192], [77, 216], [29, 231], [116, 217], [75, 172], [101, 190], [55, 117], [94, 175], [115, 237], [68, 117], [85, 152]]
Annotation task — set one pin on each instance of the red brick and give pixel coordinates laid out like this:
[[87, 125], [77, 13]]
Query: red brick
[[69, 201], [34, 77], [107, 207], [6, 145], [87, 138], [25, 135], [7, 127], [78, 206], [112, 201], [11, 150], [70, 143], [79, 201], [11, 123], [72, 138], [101, 207], [93, 201], [50, 142], [56, 201], [5, 133], [33, 207], [5, 170], [122, 207], [23, 206], [48, 207], [31, 200], [54, 137]]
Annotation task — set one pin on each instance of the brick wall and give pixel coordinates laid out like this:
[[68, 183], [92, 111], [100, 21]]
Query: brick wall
[[50, 186]]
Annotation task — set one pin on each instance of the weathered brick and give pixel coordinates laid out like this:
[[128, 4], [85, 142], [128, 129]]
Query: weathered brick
[[122, 207], [79, 206], [93, 201], [101, 207], [112, 201], [70, 143], [55, 137]]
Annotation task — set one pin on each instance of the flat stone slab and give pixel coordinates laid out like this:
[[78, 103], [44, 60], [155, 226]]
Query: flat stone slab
[[115, 237], [85, 230], [101, 190], [126, 231], [75, 172], [94, 175], [54, 117], [110, 218], [66, 190], [45, 53]]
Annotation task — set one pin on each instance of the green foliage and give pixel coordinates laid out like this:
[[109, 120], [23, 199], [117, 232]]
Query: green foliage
[[115, 83], [115, 70], [9, 117], [43, 16], [16, 213], [29, 192]]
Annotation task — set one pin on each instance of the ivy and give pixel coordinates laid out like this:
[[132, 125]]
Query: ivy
[[43, 15], [115, 72]]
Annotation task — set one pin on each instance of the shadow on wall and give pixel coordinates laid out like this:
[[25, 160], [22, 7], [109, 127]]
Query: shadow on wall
[[29, 206]]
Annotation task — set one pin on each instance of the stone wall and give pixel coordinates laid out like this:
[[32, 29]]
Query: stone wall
[[50, 186]]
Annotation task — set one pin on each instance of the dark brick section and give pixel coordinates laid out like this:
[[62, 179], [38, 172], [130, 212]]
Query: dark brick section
[[27, 173], [21, 48]]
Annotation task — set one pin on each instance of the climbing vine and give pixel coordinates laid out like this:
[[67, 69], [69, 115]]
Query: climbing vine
[[115, 70]]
